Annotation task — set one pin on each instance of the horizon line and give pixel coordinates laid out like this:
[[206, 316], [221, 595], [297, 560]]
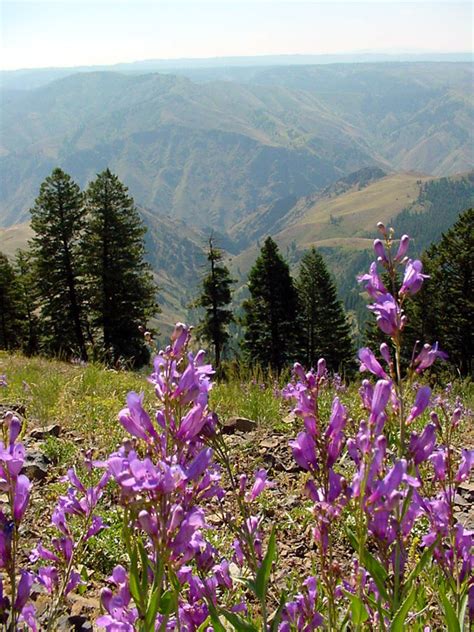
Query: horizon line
[[170, 60]]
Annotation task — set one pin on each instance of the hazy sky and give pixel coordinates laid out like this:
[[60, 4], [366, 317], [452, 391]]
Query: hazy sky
[[71, 33]]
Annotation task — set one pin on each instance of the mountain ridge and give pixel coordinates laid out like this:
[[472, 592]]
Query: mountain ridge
[[213, 153]]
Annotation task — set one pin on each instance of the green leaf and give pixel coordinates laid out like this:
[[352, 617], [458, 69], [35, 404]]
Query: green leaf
[[173, 578], [352, 539], [422, 562], [398, 621], [134, 581], [463, 606], [153, 607], [165, 604], [263, 573], [218, 627], [452, 620], [276, 618], [358, 610], [145, 564], [81, 589], [204, 625], [372, 565], [377, 572], [239, 624], [376, 605], [168, 602]]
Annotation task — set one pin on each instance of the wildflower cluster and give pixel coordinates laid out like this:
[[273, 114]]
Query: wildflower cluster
[[165, 473], [317, 450], [384, 485], [14, 608], [59, 577], [391, 486]]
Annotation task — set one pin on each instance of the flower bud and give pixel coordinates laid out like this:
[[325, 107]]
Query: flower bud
[[380, 250], [385, 352], [299, 371], [435, 419], [179, 337], [321, 367], [456, 418], [402, 248]]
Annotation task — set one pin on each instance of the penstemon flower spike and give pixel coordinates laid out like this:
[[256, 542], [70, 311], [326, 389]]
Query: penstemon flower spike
[[367, 483]]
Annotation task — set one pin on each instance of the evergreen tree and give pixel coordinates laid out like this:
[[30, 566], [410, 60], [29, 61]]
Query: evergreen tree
[[324, 328], [270, 314], [444, 308], [26, 282], [121, 291], [215, 298], [58, 219], [12, 321]]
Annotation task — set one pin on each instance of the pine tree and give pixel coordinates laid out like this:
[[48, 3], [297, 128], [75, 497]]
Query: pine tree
[[444, 308], [12, 322], [215, 298], [270, 318], [58, 219], [121, 291], [324, 327], [26, 282]]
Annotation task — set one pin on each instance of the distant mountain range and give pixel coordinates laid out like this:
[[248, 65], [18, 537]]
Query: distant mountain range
[[202, 68], [212, 153], [313, 154]]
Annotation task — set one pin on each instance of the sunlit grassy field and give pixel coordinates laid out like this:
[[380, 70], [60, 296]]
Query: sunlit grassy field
[[87, 399]]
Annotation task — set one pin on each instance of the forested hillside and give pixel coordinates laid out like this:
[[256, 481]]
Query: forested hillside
[[339, 221], [440, 200]]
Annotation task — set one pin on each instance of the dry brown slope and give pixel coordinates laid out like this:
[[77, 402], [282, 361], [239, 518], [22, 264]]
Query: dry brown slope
[[343, 220]]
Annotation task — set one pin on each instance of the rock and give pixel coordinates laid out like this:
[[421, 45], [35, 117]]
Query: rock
[[291, 501], [466, 489], [291, 467], [214, 519], [271, 442], [75, 623], [468, 519], [36, 465], [53, 430], [241, 424], [18, 409], [268, 460], [234, 571], [461, 501], [83, 606], [289, 419]]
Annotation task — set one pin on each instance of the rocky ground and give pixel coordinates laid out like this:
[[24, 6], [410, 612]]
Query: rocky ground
[[251, 447]]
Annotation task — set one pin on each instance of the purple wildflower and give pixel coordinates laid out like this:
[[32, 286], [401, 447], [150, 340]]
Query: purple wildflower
[[388, 313], [427, 356], [380, 251], [413, 279], [368, 362], [373, 284], [422, 400], [422, 446], [466, 465]]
